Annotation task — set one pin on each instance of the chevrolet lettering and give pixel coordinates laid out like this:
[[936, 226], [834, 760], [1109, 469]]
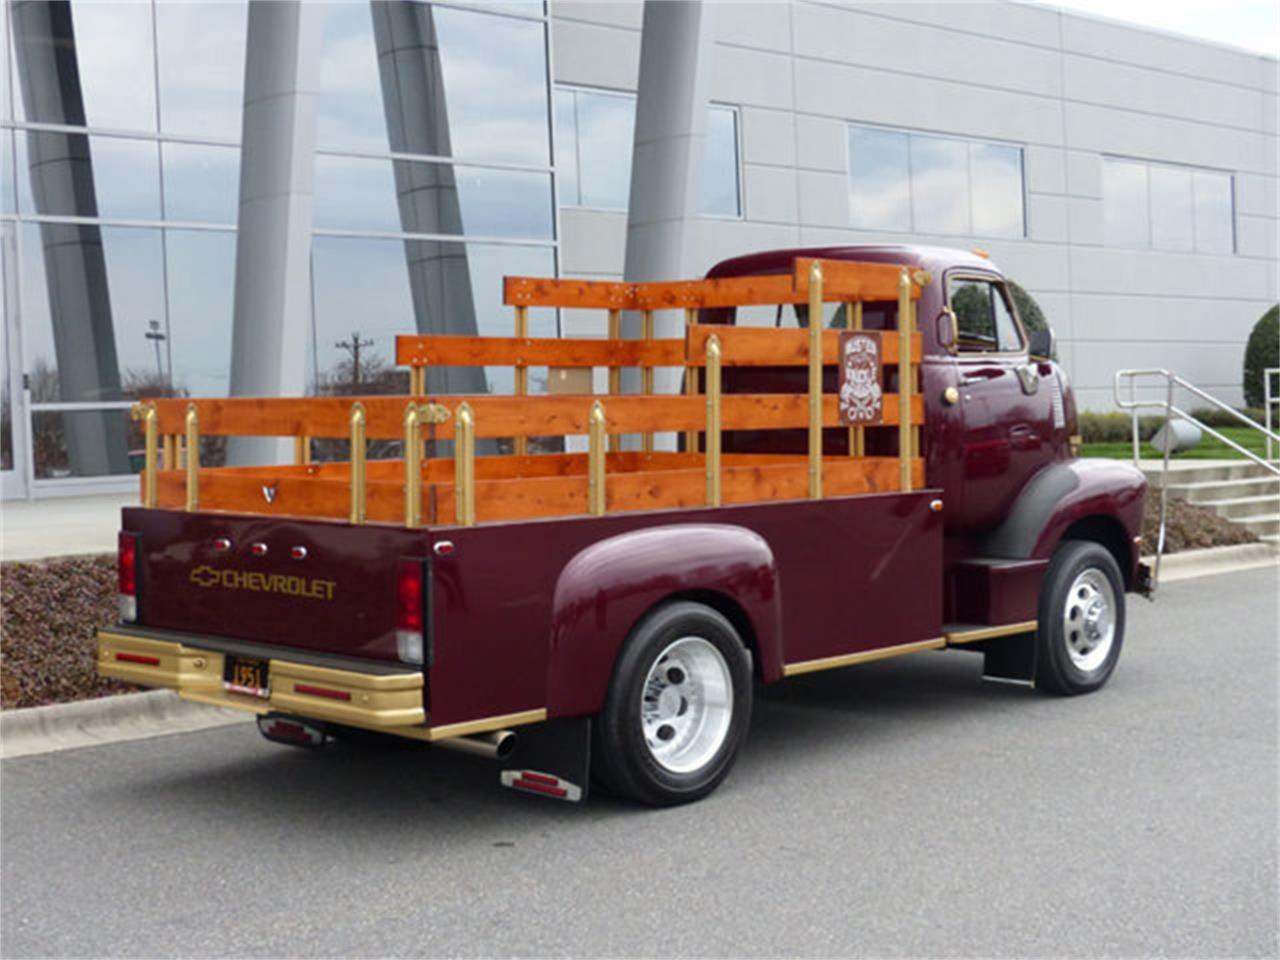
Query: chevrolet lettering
[[854, 453]]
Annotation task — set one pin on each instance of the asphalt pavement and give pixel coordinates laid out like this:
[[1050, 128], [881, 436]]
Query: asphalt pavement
[[895, 809]]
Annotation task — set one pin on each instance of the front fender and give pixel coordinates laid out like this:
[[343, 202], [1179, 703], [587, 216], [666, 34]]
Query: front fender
[[605, 589], [1063, 494]]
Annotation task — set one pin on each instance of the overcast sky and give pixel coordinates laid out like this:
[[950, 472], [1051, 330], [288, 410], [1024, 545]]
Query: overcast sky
[[1252, 24]]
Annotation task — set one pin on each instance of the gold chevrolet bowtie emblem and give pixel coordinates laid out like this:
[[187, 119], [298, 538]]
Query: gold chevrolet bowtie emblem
[[204, 576]]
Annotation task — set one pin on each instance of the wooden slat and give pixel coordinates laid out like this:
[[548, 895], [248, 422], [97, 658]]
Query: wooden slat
[[452, 351], [853, 280], [768, 347], [286, 416], [550, 292]]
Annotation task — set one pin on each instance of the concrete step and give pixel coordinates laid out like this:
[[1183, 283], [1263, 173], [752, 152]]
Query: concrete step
[[1208, 490], [1263, 525], [1183, 472], [1238, 507]]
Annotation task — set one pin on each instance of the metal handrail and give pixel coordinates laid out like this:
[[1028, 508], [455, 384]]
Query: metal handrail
[[1269, 400], [1172, 381]]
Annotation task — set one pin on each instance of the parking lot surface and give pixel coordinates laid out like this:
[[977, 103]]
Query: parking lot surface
[[902, 808]]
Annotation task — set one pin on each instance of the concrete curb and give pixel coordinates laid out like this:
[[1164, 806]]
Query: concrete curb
[[1214, 560], [87, 723], [135, 716]]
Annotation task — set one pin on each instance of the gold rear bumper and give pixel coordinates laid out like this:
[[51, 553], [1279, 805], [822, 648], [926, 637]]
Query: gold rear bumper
[[390, 703]]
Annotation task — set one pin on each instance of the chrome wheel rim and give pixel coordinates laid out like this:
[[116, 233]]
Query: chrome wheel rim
[[687, 705], [1089, 620]]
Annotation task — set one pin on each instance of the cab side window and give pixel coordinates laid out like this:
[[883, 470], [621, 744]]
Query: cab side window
[[984, 320]]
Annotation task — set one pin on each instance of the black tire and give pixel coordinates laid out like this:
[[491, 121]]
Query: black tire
[[1072, 595], [622, 757]]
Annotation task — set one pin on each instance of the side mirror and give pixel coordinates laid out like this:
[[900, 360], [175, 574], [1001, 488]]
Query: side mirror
[[1043, 343], [947, 329]]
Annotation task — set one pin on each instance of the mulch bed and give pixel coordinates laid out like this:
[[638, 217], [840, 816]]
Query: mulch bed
[[49, 611]]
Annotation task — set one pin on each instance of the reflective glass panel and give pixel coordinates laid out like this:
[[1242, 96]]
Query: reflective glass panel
[[363, 292], [720, 164], [975, 314], [113, 44], [201, 293], [879, 179], [7, 231], [201, 184], [606, 125], [1172, 213], [1124, 204], [88, 443], [939, 185], [419, 197], [567, 149], [126, 178], [201, 55], [72, 175], [8, 169], [1214, 216], [450, 92], [6, 99], [995, 174], [1007, 333]]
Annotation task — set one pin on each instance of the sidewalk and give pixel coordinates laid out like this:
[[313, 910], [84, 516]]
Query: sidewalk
[[61, 526]]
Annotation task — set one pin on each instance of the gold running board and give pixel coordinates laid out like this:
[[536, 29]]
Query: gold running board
[[865, 656], [974, 634]]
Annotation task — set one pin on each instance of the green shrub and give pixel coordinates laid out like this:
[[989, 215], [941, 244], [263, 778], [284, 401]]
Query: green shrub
[[1262, 351], [1215, 417], [1115, 427]]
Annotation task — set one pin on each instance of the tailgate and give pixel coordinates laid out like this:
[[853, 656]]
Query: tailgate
[[312, 584]]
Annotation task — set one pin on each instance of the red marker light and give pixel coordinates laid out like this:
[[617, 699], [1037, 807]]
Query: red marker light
[[258, 549], [321, 691]]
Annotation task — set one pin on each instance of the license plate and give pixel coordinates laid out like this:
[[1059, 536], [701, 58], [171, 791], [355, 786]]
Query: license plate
[[246, 675]]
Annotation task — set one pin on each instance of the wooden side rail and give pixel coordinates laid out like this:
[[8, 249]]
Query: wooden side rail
[[768, 347], [438, 350]]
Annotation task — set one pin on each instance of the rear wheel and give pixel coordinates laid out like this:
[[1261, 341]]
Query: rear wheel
[[1081, 619], [677, 707]]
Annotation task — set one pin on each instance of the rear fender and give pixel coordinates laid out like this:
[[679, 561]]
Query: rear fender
[[604, 590], [1107, 493]]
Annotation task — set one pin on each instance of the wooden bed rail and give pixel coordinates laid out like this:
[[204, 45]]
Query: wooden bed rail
[[415, 421]]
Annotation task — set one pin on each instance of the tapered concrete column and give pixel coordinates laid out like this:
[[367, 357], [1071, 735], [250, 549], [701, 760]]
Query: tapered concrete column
[[676, 50], [61, 173], [273, 242], [416, 107]]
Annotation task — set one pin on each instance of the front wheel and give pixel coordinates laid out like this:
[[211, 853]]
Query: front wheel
[[1081, 619], [677, 707]]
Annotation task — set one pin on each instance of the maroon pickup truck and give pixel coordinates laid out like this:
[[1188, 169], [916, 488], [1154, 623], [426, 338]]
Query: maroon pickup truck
[[895, 477]]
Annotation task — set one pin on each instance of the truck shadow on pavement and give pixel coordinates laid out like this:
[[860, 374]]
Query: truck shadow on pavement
[[386, 787]]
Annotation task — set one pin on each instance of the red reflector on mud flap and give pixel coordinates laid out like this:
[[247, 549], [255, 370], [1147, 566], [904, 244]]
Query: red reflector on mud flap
[[542, 784]]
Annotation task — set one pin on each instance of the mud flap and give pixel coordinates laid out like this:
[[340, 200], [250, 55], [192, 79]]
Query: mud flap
[[1010, 660], [552, 759]]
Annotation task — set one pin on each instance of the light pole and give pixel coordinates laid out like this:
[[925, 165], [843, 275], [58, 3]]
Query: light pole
[[156, 337]]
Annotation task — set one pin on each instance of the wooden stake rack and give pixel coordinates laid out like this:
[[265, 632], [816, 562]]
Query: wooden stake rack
[[465, 489]]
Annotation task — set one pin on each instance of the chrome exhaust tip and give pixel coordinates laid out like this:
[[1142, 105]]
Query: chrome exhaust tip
[[497, 745]]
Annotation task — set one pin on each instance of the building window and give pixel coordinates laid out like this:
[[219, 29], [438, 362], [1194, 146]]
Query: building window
[[594, 131], [913, 183], [1156, 206]]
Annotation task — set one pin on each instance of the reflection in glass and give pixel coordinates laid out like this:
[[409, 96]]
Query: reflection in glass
[[1214, 221], [201, 56], [201, 291], [606, 123], [8, 168], [113, 46], [491, 71], [201, 184], [126, 178], [879, 179], [995, 174], [939, 185], [54, 444], [6, 400], [1172, 215], [361, 290], [720, 163], [6, 100], [355, 193], [1125, 219], [567, 185]]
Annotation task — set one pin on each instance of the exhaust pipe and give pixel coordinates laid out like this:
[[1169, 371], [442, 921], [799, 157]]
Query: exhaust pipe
[[495, 746]]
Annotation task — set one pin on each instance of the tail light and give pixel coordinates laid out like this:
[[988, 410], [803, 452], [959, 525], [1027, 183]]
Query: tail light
[[409, 611], [127, 576]]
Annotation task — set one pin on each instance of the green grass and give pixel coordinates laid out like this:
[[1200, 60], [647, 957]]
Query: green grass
[[1209, 448]]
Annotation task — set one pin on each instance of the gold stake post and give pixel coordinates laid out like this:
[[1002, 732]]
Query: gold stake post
[[857, 435], [646, 374], [713, 421], [690, 382], [464, 466], [150, 418], [904, 380], [412, 467], [615, 373], [815, 381], [596, 491], [357, 462], [192, 423], [522, 374]]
